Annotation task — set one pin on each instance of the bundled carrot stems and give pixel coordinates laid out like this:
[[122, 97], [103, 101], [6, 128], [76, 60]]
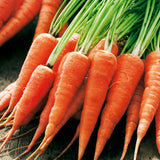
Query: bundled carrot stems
[[86, 71]]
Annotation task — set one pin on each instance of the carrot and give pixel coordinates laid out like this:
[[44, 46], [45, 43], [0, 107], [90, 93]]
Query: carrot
[[5, 96], [100, 46], [133, 115], [72, 65], [157, 123], [47, 12], [50, 102], [103, 67], [6, 8], [151, 96], [36, 89], [38, 53], [129, 71], [69, 47], [22, 17]]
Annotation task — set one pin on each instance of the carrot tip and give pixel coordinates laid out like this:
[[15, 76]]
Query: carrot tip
[[136, 148]]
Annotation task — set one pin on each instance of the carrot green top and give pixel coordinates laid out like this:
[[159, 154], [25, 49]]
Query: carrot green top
[[69, 10], [150, 25]]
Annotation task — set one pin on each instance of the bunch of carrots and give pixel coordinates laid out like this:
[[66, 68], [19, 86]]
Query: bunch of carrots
[[84, 72]]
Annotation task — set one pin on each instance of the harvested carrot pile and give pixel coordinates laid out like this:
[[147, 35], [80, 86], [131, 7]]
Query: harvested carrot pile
[[97, 62]]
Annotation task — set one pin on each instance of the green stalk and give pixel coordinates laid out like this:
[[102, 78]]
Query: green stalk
[[100, 25], [70, 9], [145, 29], [77, 21], [118, 16], [128, 25]]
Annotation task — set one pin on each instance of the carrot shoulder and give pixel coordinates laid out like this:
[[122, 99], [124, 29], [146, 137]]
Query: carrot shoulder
[[129, 71], [100, 46], [151, 96], [38, 53], [47, 12], [103, 67], [22, 17]]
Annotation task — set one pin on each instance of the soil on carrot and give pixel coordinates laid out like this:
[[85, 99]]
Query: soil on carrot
[[12, 55]]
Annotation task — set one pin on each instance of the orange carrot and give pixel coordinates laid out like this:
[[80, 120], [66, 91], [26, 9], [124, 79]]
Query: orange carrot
[[129, 71], [6, 8], [47, 12], [76, 66], [100, 46], [151, 96], [5, 96], [22, 17], [133, 115], [103, 67], [69, 47], [157, 122], [39, 84], [39, 52], [18, 3], [50, 102]]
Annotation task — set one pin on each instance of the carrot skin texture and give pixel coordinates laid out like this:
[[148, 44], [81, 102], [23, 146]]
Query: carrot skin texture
[[6, 8], [151, 96], [129, 71], [38, 54], [18, 3], [47, 12], [36, 89], [22, 17], [103, 67], [77, 65], [100, 46], [133, 115], [69, 47]]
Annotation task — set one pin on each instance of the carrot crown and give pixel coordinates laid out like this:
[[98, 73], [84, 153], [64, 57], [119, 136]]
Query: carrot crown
[[73, 27], [150, 25], [99, 26], [118, 18]]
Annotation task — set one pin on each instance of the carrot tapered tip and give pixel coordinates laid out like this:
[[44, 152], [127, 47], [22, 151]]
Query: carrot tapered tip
[[137, 147]]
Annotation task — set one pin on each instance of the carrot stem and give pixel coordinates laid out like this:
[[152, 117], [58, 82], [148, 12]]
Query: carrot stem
[[65, 15], [149, 28]]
